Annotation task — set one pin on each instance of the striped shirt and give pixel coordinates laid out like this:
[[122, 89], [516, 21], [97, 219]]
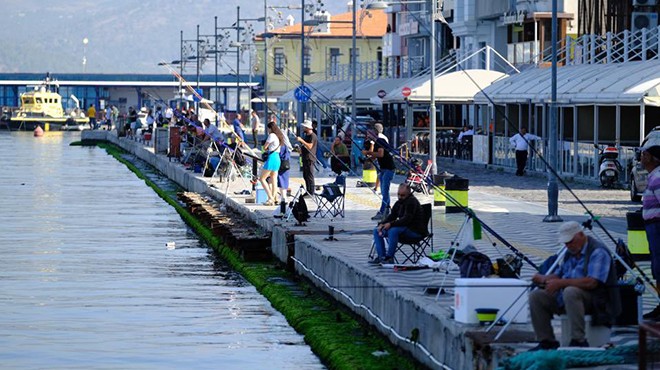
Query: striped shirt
[[651, 197]]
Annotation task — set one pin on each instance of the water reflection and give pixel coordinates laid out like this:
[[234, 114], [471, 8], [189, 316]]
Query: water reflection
[[87, 281]]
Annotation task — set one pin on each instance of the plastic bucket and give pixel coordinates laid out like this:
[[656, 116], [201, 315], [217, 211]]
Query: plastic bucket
[[486, 315]]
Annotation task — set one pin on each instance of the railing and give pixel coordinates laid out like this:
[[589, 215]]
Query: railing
[[626, 46], [580, 163]]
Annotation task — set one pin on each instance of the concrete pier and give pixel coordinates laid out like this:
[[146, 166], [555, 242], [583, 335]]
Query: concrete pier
[[397, 303]]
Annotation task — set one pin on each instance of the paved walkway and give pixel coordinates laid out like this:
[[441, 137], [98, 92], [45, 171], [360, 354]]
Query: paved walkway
[[512, 206]]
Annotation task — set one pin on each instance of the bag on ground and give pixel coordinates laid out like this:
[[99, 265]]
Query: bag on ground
[[299, 210], [476, 265]]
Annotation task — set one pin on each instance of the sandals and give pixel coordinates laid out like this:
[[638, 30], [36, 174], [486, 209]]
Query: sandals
[[269, 203]]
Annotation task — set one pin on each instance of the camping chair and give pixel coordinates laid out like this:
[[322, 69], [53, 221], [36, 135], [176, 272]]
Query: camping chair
[[417, 181], [331, 200], [415, 248]]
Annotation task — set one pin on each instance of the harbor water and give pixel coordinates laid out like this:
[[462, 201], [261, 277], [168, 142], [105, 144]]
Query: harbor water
[[98, 272]]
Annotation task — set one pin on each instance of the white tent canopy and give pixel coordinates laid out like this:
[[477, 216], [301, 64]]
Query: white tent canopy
[[366, 91], [629, 83], [454, 87]]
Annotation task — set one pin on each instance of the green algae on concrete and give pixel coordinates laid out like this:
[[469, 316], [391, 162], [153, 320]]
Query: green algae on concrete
[[341, 340]]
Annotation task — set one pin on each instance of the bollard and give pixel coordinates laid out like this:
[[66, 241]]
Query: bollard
[[638, 244], [457, 194], [369, 174], [439, 188]]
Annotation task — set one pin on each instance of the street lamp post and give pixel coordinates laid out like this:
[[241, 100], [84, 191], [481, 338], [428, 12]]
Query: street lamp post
[[433, 44], [302, 65], [197, 60], [84, 60], [238, 61], [553, 187]]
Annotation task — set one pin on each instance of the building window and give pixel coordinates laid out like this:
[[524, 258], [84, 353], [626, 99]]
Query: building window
[[307, 61], [333, 60], [279, 62]]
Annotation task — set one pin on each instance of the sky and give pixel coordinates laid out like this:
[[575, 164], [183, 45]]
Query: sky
[[124, 36]]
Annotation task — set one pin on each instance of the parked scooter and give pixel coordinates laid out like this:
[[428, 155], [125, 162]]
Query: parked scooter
[[610, 169]]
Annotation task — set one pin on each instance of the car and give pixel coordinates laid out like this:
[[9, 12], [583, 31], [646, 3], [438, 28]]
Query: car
[[638, 174]]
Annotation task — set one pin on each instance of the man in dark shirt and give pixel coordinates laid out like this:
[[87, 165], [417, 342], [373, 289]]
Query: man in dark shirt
[[406, 219], [308, 146], [386, 174]]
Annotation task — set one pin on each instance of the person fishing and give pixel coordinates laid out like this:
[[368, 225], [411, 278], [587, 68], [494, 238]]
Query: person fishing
[[581, 286]]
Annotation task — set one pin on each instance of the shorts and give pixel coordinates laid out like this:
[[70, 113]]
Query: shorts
[[273, 162]]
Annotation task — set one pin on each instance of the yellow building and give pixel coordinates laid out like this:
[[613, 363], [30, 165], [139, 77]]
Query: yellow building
[[327, 49]]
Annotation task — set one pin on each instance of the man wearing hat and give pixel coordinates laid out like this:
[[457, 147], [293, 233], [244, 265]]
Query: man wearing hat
[[308, 145], [577, 288], [650, 159]]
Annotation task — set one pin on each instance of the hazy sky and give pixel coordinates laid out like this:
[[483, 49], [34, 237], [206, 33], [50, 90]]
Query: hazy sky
[[125, 36]]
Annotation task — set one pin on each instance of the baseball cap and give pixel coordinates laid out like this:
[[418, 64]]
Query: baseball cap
[[568, 230]]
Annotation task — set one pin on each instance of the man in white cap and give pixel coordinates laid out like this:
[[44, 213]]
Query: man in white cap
[[578, 287], [650, 159], [308, 145]]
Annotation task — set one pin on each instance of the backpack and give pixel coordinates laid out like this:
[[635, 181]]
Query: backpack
[[475, 265], [299, 210], [239, 158]]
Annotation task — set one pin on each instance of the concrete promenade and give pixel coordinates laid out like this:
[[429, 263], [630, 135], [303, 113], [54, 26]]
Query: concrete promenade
[[395, 302]]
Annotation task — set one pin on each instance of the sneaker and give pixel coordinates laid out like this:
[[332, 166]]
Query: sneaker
[[545, 345], [378, 216], [578, 343], [376, 261], [653, 315], [387, 261]]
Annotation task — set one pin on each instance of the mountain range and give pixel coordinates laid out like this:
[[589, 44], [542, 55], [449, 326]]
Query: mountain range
[[124, 36]]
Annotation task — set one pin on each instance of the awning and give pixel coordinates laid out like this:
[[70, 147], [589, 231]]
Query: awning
[[366, 91], [271, 100], [629, 83], [454, 87], [322, 91]]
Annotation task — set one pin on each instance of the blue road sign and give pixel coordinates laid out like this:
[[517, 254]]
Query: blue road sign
[[302, 93], [196, 97]]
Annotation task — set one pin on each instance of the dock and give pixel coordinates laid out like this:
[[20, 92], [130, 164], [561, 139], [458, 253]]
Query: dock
[[402, 304]]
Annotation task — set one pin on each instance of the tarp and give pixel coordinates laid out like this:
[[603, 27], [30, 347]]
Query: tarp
[[454, 87], [628, 83]]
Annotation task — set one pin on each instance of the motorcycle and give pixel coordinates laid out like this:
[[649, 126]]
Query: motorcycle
[[609, 169]]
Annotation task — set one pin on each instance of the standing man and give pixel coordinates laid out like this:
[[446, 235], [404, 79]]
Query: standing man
[[308, 145], [520, 142], [584, 284], [651, 213], [255, 123], [108, 117], [406, 219], [386, 174], [91, 114], [238, 127]]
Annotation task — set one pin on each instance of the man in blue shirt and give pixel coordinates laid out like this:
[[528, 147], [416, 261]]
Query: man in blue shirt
[[572, 289], [238, 127]]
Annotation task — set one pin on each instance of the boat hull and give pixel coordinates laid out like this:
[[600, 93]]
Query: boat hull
[[56, 124]]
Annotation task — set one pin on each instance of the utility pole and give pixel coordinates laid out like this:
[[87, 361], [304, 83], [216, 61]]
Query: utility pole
[[553, 188]]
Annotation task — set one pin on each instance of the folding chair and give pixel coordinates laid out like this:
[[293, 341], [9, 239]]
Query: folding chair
[[417, 181], [331, 200], [417, 246]]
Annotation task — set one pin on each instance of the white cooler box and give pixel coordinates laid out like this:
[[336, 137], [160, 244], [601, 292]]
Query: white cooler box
[[473, 293]]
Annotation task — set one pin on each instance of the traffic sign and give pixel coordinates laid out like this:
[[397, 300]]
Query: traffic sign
[[382, 93], [302, 93], [198, 95], [406, 91]]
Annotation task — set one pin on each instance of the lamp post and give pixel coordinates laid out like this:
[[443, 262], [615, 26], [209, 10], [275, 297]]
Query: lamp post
[[433, 44], [302, 64], [553, 187], [84, 60]]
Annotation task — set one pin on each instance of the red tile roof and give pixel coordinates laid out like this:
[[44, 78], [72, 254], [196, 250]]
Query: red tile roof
[[370, 23]]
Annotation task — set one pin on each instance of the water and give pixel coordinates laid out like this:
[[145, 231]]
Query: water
[[87, 282]]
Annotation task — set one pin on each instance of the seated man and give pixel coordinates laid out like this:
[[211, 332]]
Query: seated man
[[406, 219], [339, 162], [579, 287], [212, 132]]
